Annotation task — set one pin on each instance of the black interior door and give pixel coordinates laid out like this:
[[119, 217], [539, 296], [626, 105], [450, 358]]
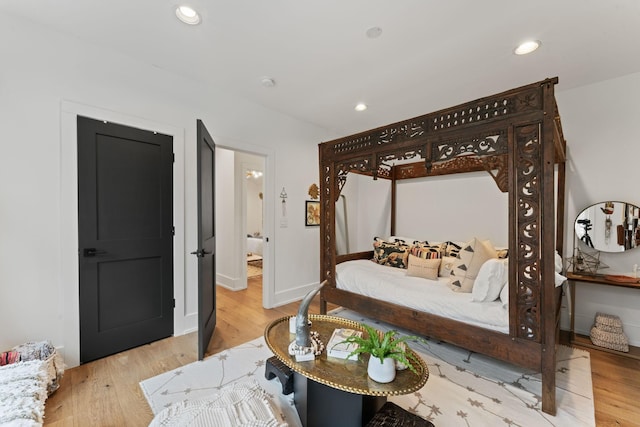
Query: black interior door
[[125, 230], [206, 239]]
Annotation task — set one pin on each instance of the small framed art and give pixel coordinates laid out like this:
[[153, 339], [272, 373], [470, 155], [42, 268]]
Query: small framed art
[[312, 213]]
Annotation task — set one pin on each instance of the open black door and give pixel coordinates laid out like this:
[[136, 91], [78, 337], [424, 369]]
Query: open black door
[[206, 239]]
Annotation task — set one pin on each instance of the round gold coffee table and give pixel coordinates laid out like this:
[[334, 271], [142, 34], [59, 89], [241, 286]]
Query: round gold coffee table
[[331, 391]]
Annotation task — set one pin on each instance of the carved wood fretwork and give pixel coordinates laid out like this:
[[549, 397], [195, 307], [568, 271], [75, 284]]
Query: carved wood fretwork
[[516, 101], [528, 174], [363, 165], [497, 167], [479, 146], [327, 221]]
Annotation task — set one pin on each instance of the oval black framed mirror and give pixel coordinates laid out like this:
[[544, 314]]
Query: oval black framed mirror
[[609, 226]]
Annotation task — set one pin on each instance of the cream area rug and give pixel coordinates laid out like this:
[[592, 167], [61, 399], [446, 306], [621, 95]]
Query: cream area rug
[[254, 268], [464, 388]]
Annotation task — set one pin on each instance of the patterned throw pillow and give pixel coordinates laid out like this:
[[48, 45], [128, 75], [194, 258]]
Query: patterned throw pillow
[[468, 263], [391, 254], [426, 251], [423, 267], [450, 249]]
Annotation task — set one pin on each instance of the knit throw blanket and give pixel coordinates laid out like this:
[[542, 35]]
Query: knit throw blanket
[[23, 391]]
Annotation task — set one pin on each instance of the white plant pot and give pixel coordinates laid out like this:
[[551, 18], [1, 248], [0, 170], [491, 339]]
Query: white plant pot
[[381, 372]]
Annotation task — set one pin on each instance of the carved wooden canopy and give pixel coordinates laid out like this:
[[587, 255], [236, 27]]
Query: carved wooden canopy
[[516, 136]]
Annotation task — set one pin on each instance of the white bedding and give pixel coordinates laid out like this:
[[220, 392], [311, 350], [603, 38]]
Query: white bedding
[[393, 285], [254, 245]]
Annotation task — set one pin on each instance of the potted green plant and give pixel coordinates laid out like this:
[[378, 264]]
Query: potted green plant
[[385, 350]]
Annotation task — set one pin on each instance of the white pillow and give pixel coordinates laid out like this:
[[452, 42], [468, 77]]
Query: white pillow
[[504, 295], [490, 280], [558, 263]]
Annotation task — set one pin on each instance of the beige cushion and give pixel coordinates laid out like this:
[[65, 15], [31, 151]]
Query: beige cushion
[[427, 268], [467, 265], [446, 266]]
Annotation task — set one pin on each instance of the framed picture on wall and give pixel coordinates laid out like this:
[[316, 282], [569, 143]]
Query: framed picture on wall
[[312, 213]]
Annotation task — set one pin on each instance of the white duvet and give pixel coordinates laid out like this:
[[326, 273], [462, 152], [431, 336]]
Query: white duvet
[[432, 296]]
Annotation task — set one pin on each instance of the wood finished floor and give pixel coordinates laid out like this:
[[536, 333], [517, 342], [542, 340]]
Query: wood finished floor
[[106, 392]]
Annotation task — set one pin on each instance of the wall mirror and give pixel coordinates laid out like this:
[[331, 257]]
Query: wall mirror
[[609, 226]]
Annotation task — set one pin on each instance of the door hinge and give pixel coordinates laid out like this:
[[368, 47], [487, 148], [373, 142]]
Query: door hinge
[[174, 303], [173, 230], [173, 157]]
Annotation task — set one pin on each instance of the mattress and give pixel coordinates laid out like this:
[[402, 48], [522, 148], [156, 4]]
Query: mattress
[[392, 284]]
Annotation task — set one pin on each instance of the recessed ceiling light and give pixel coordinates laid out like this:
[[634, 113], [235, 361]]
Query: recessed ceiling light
[[361, 106], [374, 32], [187, 15], [527, 47], [267, 82]]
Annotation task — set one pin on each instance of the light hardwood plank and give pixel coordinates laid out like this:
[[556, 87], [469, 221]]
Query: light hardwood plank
[[106, 392]]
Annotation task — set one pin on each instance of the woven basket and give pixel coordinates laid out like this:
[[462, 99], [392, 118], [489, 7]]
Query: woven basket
[[608, 323], [614, 341]]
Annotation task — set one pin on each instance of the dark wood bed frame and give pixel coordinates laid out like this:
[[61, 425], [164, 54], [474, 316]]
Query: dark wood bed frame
[[516, 136]]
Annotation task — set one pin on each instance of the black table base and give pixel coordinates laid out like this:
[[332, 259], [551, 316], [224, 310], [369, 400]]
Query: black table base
[[319, 405]]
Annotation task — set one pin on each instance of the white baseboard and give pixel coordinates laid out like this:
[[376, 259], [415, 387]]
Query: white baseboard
[[231, 283]]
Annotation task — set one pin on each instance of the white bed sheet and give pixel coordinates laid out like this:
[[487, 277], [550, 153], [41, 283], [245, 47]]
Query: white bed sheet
[[392, 284], [254, 245]]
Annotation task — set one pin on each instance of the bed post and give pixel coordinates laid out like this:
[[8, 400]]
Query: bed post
[[328, 190], [393, 201], [548, 247]]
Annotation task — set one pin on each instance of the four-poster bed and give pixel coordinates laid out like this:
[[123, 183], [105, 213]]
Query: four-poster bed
[[516, 136]]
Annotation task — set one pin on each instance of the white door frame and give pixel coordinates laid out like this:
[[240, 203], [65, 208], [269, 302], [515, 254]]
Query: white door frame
[[268, 288]]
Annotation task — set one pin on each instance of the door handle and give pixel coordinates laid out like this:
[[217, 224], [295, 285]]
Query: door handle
[[200, 253], [91, 252]]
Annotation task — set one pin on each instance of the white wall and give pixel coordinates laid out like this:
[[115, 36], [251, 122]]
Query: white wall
[[437, 209], [43, 71], [600, 125]]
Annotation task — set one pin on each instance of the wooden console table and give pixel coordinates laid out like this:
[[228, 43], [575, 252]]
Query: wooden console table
[[599, 279]]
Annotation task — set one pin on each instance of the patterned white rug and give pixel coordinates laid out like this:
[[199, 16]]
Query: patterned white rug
[[23, 391], [464, 388]]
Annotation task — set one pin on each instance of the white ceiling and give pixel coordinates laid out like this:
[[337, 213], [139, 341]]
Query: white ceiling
[[431, 54]]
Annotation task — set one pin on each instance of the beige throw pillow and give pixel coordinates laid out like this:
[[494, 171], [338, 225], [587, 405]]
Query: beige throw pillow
[[421, 267], [446, 266], [468, 263]]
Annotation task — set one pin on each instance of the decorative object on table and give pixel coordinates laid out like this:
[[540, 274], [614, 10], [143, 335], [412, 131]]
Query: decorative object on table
[[307, 344], [385, 350], [607, 332], [584, 262], [338, 348], [314, 192], [312, 213]]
